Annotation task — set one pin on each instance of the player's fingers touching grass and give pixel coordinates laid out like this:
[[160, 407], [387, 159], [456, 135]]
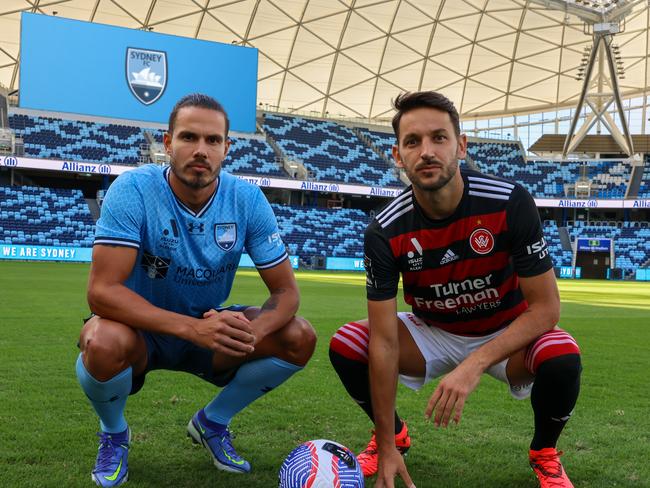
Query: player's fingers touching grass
[[392, 467], [406, 477]]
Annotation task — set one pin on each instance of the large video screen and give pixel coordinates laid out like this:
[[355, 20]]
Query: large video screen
[[94, 69]]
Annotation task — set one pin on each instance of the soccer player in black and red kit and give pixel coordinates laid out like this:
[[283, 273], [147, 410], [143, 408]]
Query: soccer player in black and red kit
[[477, 274]]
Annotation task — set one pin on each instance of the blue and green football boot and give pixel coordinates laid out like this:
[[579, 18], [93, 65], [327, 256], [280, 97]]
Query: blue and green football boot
[[218, 443]]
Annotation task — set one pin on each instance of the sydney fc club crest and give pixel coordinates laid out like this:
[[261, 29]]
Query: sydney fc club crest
[[225, 235], [146, 73]]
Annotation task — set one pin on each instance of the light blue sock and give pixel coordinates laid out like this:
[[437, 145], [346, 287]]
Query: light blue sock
[[108, 398], [251, 381]]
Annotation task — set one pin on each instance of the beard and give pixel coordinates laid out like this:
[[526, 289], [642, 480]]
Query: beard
[[446, 175], [193, 180]]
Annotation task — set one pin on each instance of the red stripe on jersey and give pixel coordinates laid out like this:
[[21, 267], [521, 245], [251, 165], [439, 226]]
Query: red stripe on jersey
[[455, 231], [458, 270], [482, 326]]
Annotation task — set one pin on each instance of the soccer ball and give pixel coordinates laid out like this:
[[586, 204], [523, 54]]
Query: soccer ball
[[320, 464]]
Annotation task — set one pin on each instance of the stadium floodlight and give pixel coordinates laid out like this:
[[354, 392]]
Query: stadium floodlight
[[593, 11], [600, 69]]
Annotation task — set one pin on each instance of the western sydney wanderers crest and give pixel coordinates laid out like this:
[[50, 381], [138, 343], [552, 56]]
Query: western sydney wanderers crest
[[481, 241], [225, 235], [146, 73]]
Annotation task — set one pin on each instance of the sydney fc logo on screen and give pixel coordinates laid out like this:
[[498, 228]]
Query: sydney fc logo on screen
[[146, 73]]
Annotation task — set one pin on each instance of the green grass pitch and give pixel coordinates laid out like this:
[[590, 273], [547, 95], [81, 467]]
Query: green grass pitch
[[47, 428]]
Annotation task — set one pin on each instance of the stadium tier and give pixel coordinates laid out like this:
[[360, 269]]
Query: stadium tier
[[330, 151], [550, 179], [610, 179], [82, 141], [320, 231], [492, 154], [644, 189], [44, 216], [253, 157], [383, 141], [560, 256], [631, 240], [76, 140]]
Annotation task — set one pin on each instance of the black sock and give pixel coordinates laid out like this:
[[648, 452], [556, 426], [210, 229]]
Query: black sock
[[354, 376], [554, 395]]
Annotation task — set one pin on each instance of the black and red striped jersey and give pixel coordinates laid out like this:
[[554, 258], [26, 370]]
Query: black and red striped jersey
[[461, 273]]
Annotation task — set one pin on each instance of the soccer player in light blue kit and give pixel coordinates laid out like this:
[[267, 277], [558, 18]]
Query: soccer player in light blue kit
[[166, 249]]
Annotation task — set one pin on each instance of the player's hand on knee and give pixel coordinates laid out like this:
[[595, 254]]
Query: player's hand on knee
[[226, 332], [391, 465], [449, 397]]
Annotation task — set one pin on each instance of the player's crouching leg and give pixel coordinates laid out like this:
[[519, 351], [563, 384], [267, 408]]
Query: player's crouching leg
[[105, 374], [298, 341], [554, 359], [349, 357], [283, 353]]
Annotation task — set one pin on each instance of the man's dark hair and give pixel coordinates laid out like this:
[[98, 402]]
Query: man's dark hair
[[405, 102], [197, 100]]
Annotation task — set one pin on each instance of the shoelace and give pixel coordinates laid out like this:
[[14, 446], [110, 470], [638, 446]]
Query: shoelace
[[226, 442], [107, 448], [550, 465], [371, 448]]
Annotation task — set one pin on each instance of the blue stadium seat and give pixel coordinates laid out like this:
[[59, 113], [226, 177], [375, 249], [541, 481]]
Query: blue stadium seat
[[44, 216], [339, 232], [94, 142], [330, 151], [644, 189]]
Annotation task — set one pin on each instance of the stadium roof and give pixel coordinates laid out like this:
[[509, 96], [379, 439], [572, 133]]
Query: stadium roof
[[351, 57]]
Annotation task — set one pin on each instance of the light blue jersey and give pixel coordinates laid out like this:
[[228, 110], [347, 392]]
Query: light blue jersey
[[187, 260]]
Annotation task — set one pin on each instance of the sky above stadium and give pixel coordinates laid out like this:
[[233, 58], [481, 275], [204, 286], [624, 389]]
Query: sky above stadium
[[351, 57]]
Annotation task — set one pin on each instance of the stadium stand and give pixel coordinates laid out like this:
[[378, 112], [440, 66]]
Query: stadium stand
[[644, 189], [383, 141], [631, 240], [550, 179], [339, 232], [76, 140], [559, 256], [44, 216], [253, 157], [83, 141], [610, 178], [330, 151], [543, 179]]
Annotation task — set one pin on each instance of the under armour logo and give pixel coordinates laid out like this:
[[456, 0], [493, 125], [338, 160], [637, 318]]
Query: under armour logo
[[196, 228]]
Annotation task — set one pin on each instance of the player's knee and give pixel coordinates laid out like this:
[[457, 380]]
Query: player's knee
[[561, 369], [299, 341], [556, 347], [106, 347], [351, 341]]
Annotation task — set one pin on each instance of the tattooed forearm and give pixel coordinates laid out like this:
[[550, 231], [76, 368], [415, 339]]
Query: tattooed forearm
[[274, 299]]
